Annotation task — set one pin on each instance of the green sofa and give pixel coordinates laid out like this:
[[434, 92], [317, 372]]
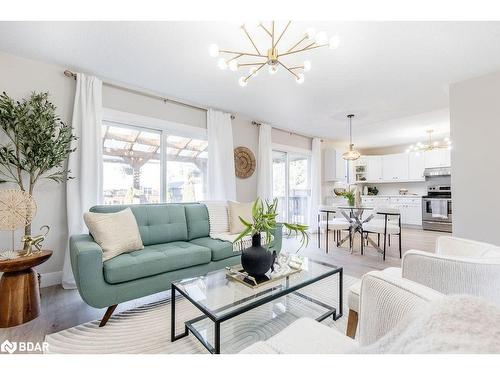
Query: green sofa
[[176, 246]]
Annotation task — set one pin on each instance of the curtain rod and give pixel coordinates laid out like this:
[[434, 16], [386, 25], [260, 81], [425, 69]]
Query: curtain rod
[[70, 74], [286, 130]]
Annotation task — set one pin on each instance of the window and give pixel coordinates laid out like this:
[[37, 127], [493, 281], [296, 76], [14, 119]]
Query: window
[[186, 169], [291, 185], [143, 165]]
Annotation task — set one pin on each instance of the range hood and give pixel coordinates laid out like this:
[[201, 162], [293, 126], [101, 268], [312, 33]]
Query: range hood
[[437, 172]]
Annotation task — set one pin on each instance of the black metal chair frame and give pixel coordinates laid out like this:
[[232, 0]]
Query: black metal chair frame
[[386, 218]]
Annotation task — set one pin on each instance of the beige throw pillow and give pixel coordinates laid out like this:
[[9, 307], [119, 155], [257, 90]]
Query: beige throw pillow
[[116, 233], [237, 209]]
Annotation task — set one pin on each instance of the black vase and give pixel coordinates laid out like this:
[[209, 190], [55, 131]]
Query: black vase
[[257, 260]]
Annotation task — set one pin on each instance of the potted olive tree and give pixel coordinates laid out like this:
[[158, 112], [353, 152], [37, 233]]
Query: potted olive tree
[[35, 143], [257, 260]]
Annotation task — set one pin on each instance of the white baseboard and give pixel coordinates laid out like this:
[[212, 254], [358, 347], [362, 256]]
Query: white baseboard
[[51, 278]]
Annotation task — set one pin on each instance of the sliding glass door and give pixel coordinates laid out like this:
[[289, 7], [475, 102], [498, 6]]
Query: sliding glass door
[[291, 185]]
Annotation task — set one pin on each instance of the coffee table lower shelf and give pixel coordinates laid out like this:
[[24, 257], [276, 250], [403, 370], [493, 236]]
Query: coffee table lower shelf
[[189, 326]]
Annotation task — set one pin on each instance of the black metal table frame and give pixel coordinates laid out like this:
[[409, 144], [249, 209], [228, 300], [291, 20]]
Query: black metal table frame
[[215, 349]]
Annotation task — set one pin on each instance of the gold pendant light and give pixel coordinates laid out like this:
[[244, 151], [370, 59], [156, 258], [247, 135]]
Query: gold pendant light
[[430, 145], [352, 154]]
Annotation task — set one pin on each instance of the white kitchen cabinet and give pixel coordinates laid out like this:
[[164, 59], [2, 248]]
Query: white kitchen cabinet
[[437, 158], [395, 167], [334, 167], [410, 207], [374, 168], [416, 166]]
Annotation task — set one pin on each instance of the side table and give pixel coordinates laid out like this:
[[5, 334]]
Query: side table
[[19, 289]]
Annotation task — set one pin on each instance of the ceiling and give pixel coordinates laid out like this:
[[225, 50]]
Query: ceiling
[[393, 75]]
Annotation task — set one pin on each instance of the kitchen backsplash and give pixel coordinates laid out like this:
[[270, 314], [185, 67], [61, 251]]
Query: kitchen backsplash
[[419, 188]]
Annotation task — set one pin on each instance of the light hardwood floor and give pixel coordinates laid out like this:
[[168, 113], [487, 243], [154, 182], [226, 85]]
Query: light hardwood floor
[[62, 309]]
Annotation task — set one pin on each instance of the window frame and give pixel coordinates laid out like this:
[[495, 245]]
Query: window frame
[[151, 124]]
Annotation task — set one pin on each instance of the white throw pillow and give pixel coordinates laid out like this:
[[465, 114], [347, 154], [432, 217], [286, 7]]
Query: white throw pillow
[[217, 217], [237, 209], [116, 233]]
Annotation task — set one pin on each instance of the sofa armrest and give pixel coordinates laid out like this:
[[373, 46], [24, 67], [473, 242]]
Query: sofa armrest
[[87, 264], [454, 275], [386, 300], [455, 246]]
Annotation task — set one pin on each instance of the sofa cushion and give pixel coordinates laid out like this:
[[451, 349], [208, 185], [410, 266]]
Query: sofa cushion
[[197, 220], [220, 249], [158, 223], [155, 259]]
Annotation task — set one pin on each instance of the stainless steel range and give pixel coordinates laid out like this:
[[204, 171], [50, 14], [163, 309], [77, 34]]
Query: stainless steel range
[[436, 208]]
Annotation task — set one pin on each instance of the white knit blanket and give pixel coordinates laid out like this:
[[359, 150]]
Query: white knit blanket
[[241, 244], [454, 324]]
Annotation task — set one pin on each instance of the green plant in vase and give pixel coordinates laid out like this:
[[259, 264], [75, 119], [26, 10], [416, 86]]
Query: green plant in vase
[[349, 195], [257, 260]]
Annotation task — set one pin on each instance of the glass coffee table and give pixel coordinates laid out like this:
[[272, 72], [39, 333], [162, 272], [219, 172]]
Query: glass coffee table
[[219, 298]]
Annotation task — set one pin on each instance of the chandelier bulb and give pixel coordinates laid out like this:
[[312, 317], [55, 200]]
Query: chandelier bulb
[[233, 65], [307, 66], [300, 78], [213, 50], [273, 69], [221, 63], [243, 81]]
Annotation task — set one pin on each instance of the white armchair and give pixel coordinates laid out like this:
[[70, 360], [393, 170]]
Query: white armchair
[[386, 300], [459, 266]]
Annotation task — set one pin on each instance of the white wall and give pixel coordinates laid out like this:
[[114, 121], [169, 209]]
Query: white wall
[[20, 76], [475, 160]]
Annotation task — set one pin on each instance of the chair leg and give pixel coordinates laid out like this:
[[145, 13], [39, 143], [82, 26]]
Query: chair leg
[[352, 324], [399, 245], [107, 315], [385, 236], [378, 239], [362, 242], [389, 240], [319, 237]]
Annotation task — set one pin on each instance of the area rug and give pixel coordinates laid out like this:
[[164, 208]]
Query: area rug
[[146, 329]]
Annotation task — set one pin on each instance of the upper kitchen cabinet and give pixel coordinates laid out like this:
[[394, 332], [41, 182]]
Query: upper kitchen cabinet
[[437, 158], [374, 168], [395, 167], [335, 168], [416, 166]]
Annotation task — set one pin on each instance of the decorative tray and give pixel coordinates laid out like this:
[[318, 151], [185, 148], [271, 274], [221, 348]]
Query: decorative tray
[[237, 273]]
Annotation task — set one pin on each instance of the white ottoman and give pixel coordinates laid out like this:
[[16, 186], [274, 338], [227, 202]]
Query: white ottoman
[[353, 301]]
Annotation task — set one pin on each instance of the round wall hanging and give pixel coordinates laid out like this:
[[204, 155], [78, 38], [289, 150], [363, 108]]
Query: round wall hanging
[[244, 162]]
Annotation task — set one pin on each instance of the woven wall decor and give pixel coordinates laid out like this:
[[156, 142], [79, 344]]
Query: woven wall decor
[[244, 162]]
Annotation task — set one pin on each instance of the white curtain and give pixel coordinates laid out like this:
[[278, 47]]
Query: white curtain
[[85, 163], [265, 163], [315, 200], [221, 174]]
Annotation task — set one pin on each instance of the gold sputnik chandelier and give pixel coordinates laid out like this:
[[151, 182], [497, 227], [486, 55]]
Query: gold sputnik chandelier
[[272, 57], [430, 145]]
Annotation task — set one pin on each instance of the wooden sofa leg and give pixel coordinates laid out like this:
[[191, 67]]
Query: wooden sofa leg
[[352, 323], [107, 315]]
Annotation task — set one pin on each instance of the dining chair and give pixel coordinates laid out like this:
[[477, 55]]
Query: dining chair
[[335, 224], [387, 222]]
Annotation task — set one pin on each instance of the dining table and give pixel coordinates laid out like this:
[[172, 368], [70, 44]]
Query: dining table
[[354, 215]]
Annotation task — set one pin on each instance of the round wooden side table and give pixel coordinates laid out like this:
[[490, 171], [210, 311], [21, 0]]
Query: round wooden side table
[[19, 289]]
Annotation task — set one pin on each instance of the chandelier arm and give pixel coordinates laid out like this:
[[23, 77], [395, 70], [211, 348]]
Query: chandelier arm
[[250, 64], [307, 48], [296, 44], [297, 67], [241, 53], [256, 70], [265, 29], [250, 38], [282, 33], [234, 58], [287, 68]]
